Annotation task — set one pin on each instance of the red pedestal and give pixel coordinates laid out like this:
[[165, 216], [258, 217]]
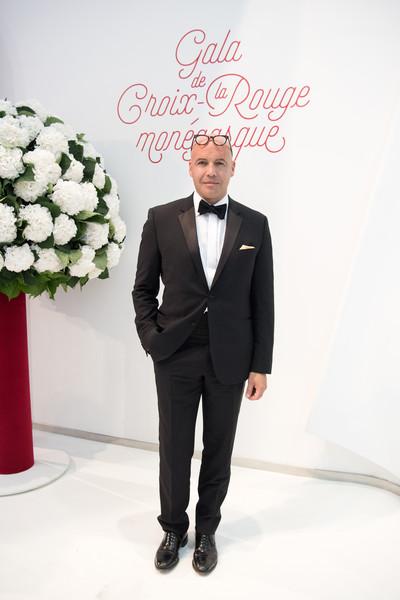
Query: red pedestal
[[16, 441]]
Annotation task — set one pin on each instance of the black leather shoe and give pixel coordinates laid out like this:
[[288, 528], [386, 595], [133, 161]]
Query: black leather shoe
[[168, 551], [205, 555]]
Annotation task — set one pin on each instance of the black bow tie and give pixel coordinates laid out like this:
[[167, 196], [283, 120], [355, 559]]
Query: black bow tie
[[220, 210]]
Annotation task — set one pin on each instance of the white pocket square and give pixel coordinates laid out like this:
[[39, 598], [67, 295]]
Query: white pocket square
[[245, 247]]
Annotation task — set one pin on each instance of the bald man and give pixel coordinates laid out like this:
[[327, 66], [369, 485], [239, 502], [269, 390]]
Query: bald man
[[213, 331]]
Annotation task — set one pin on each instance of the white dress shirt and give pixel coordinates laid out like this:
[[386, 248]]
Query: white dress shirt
[[210, 235]]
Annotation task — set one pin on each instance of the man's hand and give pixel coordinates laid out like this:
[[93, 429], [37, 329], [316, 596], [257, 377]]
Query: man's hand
[[256, 385]]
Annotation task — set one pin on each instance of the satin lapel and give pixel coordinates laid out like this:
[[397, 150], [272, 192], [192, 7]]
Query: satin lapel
[[234, 221], [188, 222]]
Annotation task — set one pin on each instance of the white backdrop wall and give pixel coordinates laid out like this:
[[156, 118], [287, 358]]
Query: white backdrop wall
[[316, 182]]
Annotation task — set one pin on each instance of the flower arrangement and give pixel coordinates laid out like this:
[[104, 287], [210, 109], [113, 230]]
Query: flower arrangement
[[59, 209]]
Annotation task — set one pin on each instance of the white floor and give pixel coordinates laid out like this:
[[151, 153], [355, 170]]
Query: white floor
[[93, 534]]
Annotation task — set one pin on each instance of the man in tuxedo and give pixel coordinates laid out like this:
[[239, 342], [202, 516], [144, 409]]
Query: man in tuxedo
[[213, 331]]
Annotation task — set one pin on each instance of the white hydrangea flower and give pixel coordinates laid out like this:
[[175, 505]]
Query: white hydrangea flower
[[64, 229], [36, 107], [96, 234], [53, 140], [47, 261], [74, 171], [48, 172], [30, 190], [7, 107], [11, 165], [68, 196], [1, 261], [18, 258], [65, 129], [40, 222], [112, 202], [8, 228], [113, 254], [89, 195], [120, 228], [44, 165], [33, 125], [85, 264], [39, 157], [99, 177], [11, 134]]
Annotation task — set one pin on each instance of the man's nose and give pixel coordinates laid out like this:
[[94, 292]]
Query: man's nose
[[211, 170]]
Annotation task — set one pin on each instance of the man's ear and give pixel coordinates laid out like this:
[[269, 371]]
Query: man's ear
[[190, 167], [233, 167]]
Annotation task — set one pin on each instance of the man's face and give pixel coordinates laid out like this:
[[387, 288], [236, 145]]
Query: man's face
[[211, 168]]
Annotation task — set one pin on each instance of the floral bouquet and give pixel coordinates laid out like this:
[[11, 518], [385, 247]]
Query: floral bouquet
[[59, 209]]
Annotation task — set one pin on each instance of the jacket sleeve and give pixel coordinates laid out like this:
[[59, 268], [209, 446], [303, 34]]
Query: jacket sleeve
[[262, 302], [147, 281]]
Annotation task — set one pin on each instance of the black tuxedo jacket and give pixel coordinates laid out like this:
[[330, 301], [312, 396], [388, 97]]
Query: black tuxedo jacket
[[240, 301]]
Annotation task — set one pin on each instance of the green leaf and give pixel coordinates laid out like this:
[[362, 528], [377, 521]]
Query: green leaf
[[51, 120], [7, 275], [2, 114], [72, 282], [30, 278], [102, 207], [111, 230], [68, 256], [28, 174], [100, 259], [74, 256], [76, 150], [88, 216], [22, 223], [83, 280], [11, 288], [84, 215], [80, 230], [26, 110], [63, 257], [34, 283], [12, 201], [104, 275], [8, 187], [35, 253], [51, 288], [107, 186], [97, 219], [65, 162], [80, 137], [90, 165]]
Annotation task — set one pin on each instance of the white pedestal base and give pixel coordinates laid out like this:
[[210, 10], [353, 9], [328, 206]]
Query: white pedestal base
[[49, 465]]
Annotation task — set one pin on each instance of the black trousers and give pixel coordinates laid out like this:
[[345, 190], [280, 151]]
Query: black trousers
[[181, 380]]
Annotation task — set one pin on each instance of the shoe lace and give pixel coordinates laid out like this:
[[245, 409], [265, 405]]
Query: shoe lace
[[204, 542], [170, 539]]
